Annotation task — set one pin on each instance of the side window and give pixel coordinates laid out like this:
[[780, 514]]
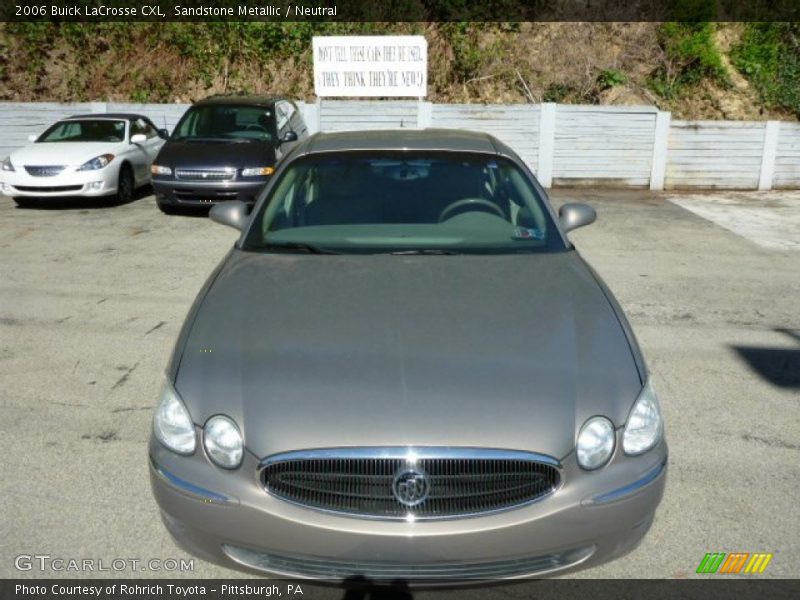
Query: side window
[[280, 115], [141, 126], [137, 127], [149, 130]]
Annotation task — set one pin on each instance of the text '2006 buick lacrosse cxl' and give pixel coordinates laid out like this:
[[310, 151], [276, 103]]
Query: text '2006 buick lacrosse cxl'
[[403, 370]]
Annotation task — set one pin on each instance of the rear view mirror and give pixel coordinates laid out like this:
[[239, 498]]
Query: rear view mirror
[[574, 215], [163, 133], [33, 138], [139, 138], [233, 214]]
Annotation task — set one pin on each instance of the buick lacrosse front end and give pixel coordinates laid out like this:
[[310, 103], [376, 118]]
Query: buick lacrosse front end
[[404, 371]]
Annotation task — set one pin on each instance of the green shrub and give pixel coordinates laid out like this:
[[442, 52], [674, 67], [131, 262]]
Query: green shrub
[[690, 55], [609, 78], [768, 55]]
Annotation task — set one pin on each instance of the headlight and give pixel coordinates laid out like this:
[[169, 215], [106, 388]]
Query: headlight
[[172, 424], [645, 426], [256, 171], [159, 170], [595, 443], [7, 166], [98, 162], [223, 442]]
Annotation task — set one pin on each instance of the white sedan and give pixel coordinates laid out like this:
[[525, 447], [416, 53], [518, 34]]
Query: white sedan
[[85, 155]]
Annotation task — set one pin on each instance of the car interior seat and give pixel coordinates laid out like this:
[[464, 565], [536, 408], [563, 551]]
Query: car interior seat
[[344, 196]]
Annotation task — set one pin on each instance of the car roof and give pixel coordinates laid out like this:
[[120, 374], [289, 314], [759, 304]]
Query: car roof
[[241, 100], [114, 116], [453, 140]]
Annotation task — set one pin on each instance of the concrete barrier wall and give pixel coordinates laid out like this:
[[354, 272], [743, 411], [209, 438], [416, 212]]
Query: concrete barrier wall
[[620, 146]]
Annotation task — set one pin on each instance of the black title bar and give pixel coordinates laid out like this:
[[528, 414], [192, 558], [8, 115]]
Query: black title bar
[[400, 10]]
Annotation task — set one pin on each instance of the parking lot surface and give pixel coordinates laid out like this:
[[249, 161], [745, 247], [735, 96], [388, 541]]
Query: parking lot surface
[[92, 298]]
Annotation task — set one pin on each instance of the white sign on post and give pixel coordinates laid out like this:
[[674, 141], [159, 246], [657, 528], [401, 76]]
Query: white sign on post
[[371, 65]]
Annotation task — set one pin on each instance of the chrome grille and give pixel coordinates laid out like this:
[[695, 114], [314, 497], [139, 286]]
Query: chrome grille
[[44, 170], [418, 483], [205, 174]]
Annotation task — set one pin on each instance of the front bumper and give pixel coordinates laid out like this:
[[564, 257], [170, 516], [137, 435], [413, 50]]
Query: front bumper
[[173, 192], [100, 182], [226, 517]]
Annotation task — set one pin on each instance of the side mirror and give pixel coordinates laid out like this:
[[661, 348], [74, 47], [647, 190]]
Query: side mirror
[[289, 136], [574, 215], [33, 138], [233, 213], [163, 133], [139, 138]]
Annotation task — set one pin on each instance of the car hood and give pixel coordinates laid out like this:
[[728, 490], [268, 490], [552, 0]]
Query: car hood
[[63, 153], [215, 155], [309, 351]]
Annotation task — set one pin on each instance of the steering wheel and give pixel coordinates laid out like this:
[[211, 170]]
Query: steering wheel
[[474, 204], [254, 127]]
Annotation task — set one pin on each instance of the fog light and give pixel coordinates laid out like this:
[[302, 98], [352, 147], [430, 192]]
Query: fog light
[[96, 185], [5, 188]]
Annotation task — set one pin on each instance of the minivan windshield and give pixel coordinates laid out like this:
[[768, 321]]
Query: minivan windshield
[[404, 202], [85, 130], [226, 123]]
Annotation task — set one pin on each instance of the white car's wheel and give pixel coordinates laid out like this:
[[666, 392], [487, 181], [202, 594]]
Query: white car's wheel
[[125, 184]]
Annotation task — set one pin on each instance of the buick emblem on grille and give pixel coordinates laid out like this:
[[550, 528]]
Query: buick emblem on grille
[[411, 487]]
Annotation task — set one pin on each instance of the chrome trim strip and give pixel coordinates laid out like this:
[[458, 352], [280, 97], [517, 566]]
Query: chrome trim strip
[[629, 489], [409, 453], [442, 573], [194, 490]]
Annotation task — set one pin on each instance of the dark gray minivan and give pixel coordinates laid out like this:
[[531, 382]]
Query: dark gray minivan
[[225, 148]]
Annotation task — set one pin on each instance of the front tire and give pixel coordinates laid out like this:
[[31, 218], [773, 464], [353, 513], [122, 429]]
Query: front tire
[[125, 185], [167, 209]]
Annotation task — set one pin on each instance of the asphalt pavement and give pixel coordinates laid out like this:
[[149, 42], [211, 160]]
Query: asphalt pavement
[[92, 298]]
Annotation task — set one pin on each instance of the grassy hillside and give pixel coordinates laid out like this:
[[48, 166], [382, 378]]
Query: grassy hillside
[[699, 70]]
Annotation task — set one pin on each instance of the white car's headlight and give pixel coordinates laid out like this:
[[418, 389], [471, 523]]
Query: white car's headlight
[[6, 165], [595, 443], [645, 426], [223, 442], [172, 424], [256, 171], [98, 162], [160, 170]]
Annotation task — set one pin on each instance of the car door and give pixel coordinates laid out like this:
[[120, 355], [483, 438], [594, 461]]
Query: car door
[[284, 121], [298, 123], [152, 145], [138, 154]]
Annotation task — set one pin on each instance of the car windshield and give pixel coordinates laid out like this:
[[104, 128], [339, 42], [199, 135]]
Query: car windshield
[[226, 123], [85, 130], [404, 202]]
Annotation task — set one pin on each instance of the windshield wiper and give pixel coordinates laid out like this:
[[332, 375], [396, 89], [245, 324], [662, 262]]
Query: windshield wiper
[[432, 251], [298, 247]]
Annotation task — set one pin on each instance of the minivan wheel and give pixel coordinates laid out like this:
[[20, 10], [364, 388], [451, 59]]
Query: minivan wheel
[[167, 209]]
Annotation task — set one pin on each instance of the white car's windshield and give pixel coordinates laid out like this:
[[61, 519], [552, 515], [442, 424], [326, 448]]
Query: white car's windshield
[[226, 123], [85, 130], [404, 202]]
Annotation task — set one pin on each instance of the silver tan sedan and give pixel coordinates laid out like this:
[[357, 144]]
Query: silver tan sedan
[[403, 370]]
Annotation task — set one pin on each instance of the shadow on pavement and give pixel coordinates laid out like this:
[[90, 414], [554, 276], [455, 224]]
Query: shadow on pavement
[[778, 366], [76, 202]]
